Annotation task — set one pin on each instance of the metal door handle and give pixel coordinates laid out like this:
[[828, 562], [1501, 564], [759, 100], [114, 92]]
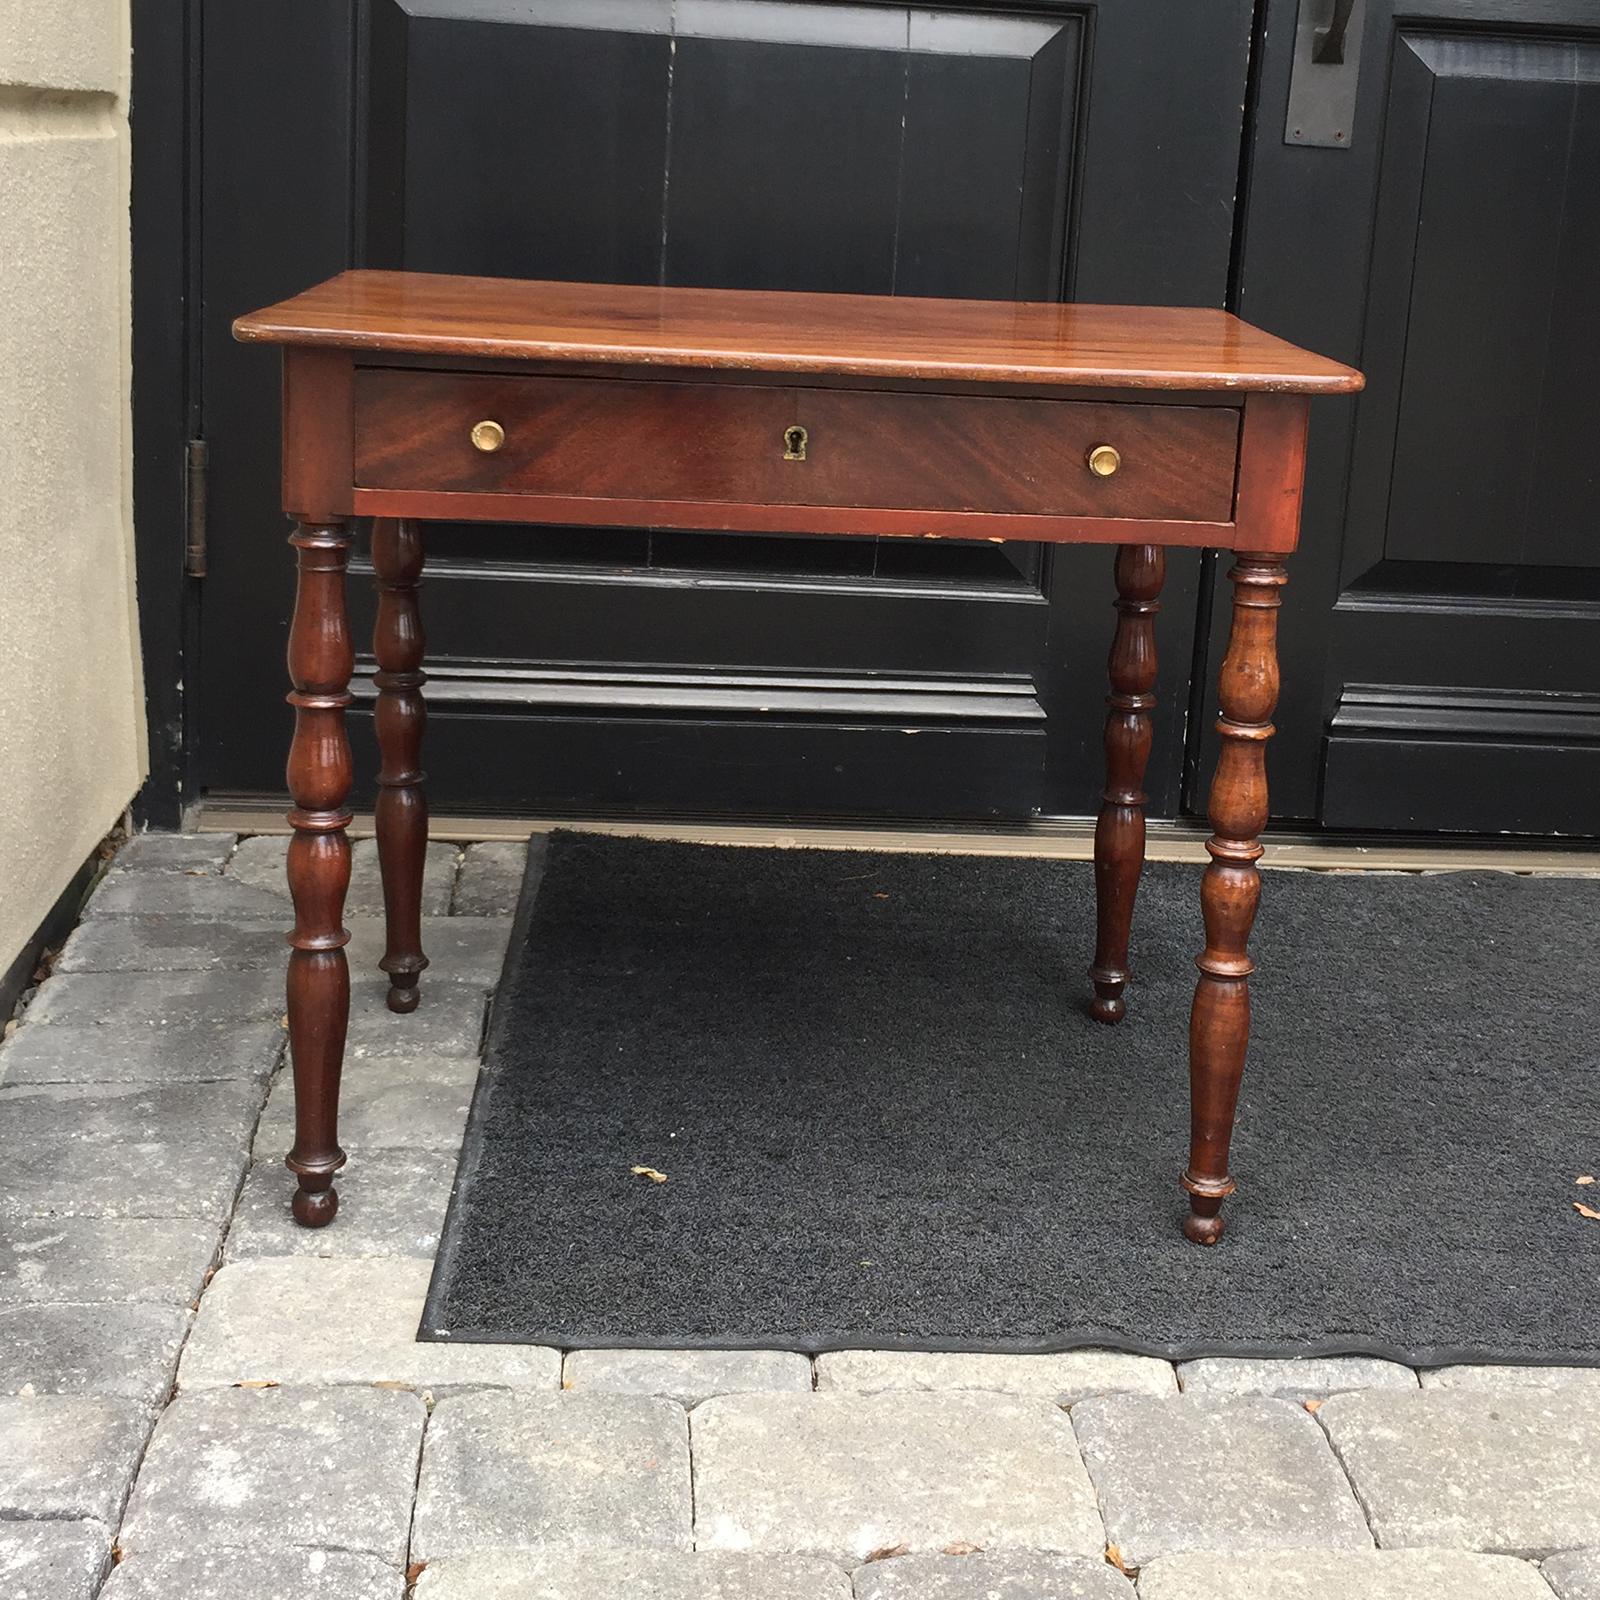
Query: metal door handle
[[1327, 47]]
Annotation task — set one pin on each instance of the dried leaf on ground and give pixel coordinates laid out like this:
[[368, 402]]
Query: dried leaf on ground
[[962, 1548], [1588, 1177], [1114, 1557], [889, 1551], [1313, 1406], [1586, 1211], [650, 1173]]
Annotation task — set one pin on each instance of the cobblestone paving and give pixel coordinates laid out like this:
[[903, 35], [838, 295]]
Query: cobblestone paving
[[198, 1399]]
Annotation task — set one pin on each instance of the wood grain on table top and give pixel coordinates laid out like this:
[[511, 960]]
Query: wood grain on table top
[[998, 341]]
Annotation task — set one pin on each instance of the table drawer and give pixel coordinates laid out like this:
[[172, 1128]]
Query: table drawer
[[618, 439]]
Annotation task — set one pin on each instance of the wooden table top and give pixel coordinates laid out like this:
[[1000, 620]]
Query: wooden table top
[[989, 341]]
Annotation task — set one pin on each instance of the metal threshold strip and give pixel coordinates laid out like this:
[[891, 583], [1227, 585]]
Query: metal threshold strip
[[1063, 838]]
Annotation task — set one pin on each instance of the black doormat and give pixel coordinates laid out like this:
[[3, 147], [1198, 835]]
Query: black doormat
[[885, 1120]]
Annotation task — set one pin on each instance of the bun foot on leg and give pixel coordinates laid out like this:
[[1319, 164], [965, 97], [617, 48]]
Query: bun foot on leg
[[315, 1208], [1108, 1006], [1204, 1223], [403, 992]]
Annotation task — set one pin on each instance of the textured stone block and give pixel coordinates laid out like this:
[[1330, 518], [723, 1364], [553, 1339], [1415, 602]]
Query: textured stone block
[[491, 878], [172, 944], [197, 853], [157, 999], [52, 1560], [117, 1053], [182, 894], [848, 1476], [313, 1321], [269, 1469], [1574, 1574], [1199, 1473], [687, 1376], [259, 863], [459, 949], [1502, 1378], [530, 1471], [1018, 1575], [124, 1350], [391, 1203], [397, 1103], [186, 1574], [1512, 1472], [51, 47], [448, 1022], [1304, 1378], [135, 1113], [1065, 1378], [108, 1178], [607, 1574], [85, 1260], [68, 1455], [1355, 1575]]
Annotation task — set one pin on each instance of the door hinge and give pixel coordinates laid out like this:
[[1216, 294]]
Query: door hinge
[[194, 542]]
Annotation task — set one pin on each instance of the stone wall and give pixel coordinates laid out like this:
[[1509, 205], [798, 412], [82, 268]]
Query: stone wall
[[72, 733]]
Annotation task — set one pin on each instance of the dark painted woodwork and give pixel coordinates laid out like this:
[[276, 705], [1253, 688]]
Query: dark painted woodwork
[[1230, 888], [1052, 154], [400, 717], [321, 658], [1119, 830], [332, 429], [1448, 551]]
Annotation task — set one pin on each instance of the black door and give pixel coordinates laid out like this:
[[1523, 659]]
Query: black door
[[1442, 646], [1081, 150]]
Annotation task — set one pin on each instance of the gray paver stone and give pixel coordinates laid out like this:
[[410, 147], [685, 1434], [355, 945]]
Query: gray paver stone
[[459, 949], [126, 1350], [90, 1259], [275, 1469], [156, 999], [259, 863], [172, 944], [1066, 1377], [1355, 1575], [391, 1203], [109, 1178], [312, 1320], [1501, 1378], [52, 1560], [181, 894], [491, 877], [1203, 1473], [174, 852], [1513, 1472], [402, 1103], [1574, 1574], [253, 1575], [68, 1455], [138, 1113], [848, 1476], [687, 1376], [115, 1053], [608, 1574], [1023, 1575], [447, 1022], [528, 1471], [1304, 1378]]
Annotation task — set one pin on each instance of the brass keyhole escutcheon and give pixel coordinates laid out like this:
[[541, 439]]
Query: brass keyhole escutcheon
[[795, 440], [1104, 459], [487, 437]]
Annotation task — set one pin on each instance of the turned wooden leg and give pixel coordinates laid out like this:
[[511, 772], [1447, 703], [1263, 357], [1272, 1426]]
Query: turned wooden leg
[[320, 663], [1119, 832], [1219, 1023], [401, 717]]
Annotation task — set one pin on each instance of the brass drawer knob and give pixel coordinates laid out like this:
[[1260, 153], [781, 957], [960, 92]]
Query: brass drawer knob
[[1104, 459], [487, 437]]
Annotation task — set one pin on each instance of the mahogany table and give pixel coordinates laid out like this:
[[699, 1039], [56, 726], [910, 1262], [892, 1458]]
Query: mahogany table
[[409, 397]]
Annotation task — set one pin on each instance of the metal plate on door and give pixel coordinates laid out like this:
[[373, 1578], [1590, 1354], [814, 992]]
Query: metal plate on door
[[1327, 67]]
